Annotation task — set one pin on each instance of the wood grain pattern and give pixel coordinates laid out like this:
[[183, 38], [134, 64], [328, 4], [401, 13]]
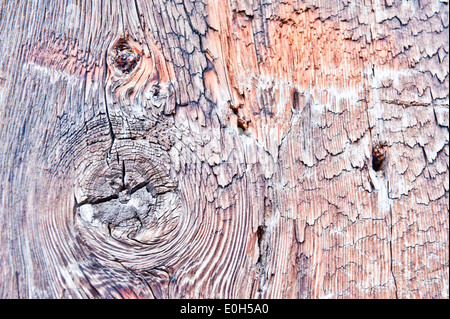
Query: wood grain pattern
[[224, 149]]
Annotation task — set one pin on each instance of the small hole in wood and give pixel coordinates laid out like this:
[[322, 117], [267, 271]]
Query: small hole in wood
[[260, 233], [156, 90], [379, 156], [242, 124], [240, 121], [125, 58]]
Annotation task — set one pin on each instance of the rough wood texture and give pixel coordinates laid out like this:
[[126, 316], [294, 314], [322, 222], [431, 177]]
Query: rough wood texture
[[236, 148]]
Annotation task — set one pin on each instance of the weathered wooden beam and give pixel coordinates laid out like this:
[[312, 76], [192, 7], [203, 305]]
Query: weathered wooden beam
[[224, 149]]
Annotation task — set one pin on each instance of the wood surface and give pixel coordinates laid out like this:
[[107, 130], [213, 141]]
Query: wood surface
[[224, 149]]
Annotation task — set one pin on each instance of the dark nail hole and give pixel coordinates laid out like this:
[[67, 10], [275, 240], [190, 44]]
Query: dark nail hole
[[124, 57], [260, 233], [379, 156], [295, 100], [242, 124], [156, 91], [260, 236]]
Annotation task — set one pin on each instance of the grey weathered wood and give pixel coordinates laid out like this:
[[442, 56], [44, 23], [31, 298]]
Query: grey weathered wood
[[237, 148]]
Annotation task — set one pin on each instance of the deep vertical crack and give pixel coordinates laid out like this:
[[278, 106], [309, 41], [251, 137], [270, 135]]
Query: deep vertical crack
[[123, 175], [390, 248], [111, 131], [263, 249]]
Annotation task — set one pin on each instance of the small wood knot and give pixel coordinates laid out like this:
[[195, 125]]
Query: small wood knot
[[125, 59], [379, 155]]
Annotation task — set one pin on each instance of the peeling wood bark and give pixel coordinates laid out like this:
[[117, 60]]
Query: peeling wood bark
[[224, 149]]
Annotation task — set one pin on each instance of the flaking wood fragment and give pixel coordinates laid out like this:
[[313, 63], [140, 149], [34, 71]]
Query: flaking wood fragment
[[224, 149]]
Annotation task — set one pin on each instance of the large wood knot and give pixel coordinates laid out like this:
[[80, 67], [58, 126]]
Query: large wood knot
[[131, 199], [128, 205]]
